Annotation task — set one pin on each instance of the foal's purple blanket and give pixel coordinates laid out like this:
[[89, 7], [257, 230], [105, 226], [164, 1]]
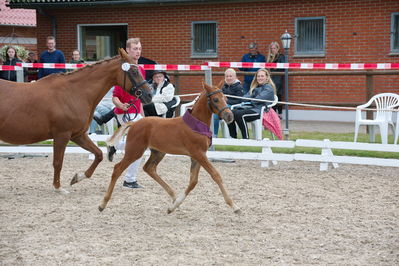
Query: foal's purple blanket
[[197, 125]]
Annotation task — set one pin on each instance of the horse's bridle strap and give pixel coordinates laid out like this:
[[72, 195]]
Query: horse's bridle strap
[[211, 104], [135, 89]]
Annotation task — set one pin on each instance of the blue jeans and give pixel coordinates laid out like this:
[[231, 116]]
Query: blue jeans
[[216, 121]]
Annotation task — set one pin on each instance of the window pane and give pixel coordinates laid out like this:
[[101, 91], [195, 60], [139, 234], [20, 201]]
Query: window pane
[[102, 41], [310, 35], [395, 32], [204, 35]]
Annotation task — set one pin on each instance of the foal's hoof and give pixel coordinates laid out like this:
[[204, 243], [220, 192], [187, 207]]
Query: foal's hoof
[[100, 208], [61, 191], [77, 177]]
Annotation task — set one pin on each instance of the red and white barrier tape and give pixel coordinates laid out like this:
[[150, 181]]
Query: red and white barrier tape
[[208, 65], [51, 65], [146, 67], [5, 68], [306, 65], [176, 67]]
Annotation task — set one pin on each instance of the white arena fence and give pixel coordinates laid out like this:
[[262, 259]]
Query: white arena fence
[[265, 156]]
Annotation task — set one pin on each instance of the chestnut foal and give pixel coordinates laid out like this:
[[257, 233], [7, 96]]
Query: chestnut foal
[[187, 135]]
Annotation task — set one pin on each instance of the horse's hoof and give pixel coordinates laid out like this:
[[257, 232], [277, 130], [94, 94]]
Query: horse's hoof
[[61, 190]]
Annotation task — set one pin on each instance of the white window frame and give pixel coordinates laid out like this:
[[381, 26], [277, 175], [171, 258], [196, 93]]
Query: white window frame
[[79, 32], [204, 55], [311, 53], [393, 49]]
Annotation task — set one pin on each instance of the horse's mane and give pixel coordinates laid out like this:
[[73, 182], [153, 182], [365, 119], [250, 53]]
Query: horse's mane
[[82, 68]]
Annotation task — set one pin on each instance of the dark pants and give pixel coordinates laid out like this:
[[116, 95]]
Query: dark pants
[[278, 81], [149, 110], [241, 117]]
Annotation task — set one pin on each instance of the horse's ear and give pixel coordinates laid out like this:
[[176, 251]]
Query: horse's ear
[[122, 52]]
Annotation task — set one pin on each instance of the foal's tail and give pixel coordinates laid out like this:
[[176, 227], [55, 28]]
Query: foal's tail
[[116, 137]]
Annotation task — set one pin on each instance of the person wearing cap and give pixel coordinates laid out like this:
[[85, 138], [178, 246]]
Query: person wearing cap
[[252, 57], [163, 95], [32, 72]]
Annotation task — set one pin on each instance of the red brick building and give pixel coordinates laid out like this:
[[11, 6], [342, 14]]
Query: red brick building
[[17, 27], [194, 32]]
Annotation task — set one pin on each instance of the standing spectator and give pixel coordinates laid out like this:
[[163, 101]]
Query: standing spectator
[[163, 95], [232, 86], [11, 60], [262, 88], [128, 108], [252, 57], [275, 56], [32, 72], [51, 55], [76, 58]]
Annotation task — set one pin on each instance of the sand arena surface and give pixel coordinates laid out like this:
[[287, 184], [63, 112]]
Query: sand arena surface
[[292, 214]]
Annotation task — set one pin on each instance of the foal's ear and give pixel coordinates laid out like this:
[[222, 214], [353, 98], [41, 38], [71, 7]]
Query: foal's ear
[[206, 86], [221, 83]]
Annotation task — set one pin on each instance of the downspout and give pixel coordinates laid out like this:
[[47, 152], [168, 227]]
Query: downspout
[[53, 21]]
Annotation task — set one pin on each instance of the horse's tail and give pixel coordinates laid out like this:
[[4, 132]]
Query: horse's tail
[[118, 134]]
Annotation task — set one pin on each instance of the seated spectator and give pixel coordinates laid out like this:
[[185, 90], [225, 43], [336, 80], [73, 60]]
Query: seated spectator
[[32, 72], [252, 57], [103, 113], [232, 86], [11, 60], [275, 56], [262, 88], [163, 95]]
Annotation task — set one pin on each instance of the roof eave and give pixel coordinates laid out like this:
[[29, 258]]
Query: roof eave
[[35, 5]]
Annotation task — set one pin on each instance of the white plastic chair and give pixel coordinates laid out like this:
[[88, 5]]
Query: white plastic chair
[[186, 106], [109, 127], [382, 116], [397, 128], [256, 125], [173, 106]]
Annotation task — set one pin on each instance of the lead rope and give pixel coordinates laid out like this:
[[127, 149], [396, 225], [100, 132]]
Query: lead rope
[[126, 115]]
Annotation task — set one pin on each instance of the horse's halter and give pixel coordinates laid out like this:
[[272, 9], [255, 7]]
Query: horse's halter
[[212, 105], [135, 91]]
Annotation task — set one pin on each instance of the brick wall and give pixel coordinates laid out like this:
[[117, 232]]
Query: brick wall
[[18, 31], [356, 31]]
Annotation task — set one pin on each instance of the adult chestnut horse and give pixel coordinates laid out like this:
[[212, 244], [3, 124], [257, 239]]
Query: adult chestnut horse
[[188, 135], [61, 106]]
